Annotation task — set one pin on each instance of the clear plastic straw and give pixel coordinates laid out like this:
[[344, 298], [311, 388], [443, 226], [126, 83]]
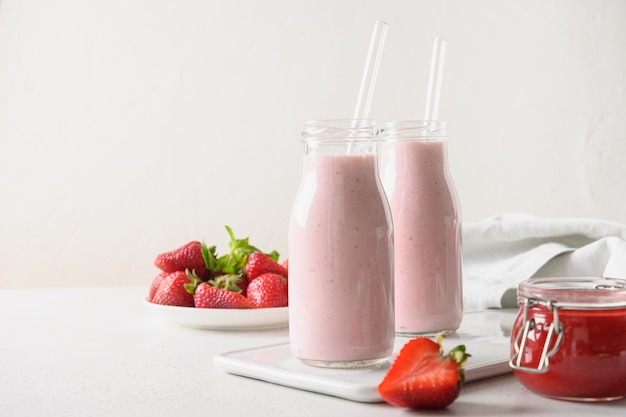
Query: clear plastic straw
[[371, 70], [434, 82]]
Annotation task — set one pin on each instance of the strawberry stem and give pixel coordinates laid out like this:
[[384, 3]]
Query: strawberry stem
[[227, 282], [193, 283]]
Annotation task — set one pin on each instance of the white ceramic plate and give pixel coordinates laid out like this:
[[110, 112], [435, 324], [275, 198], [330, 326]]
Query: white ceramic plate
[[223, 319], [485, 334]]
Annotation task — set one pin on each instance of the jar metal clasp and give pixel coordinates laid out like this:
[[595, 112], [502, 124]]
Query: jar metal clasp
[[554, 331]]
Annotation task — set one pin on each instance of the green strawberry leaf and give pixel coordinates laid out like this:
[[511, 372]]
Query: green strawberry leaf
[[209, 254], [234, 262]]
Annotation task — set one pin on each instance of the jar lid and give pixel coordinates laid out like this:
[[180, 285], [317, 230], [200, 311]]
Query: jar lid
[[576, 293]]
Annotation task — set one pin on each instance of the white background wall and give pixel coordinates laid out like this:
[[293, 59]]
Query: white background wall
[[128, 127]]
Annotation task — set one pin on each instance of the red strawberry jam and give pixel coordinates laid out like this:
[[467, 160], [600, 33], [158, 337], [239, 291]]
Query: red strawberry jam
[[571, 337]]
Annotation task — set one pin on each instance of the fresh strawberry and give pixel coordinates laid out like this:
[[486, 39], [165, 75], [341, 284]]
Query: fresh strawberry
[[155, 284], [268, 290], [421, 377], [188, 256], [202, 263], [259, 263], [207, 296], [172, 291]]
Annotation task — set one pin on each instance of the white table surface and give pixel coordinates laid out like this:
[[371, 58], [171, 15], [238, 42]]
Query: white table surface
[[101, 352]]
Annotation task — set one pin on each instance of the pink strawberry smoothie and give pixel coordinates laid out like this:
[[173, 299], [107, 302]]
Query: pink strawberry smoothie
[[427, 236], [341, 264]]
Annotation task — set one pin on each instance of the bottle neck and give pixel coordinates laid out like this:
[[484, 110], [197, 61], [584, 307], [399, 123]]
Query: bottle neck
[[341, 148]]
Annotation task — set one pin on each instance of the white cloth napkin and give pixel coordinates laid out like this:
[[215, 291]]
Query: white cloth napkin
[[502, 251]]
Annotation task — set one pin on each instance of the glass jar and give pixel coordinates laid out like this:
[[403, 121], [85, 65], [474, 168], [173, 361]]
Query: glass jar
[[340, 250], [427, 227], [569, 338]]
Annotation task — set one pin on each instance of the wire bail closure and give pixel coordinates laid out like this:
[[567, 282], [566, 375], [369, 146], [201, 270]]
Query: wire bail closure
[[555, 329]]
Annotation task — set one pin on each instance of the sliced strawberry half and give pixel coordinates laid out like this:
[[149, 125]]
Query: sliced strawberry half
[[421, 377]]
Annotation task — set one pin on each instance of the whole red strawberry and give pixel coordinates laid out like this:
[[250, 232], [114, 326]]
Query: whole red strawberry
[[172, 291], [422, 378], [156, 282], [259, 263], [268, 290], [207, 296], [188, 256]]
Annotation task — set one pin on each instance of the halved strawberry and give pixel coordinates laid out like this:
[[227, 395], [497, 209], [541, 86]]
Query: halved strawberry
[[172, 290], [421, 377], [207, 296], [268, 290], [187, 256], [259, 263]]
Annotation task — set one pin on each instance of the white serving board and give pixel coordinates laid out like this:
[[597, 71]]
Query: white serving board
[[484, 333]]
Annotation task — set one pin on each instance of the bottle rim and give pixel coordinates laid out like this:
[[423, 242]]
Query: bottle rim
[[341, 130], [414, 129]]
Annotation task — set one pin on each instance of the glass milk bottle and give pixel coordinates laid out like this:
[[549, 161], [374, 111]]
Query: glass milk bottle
[[340, 250], [427, 227]]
